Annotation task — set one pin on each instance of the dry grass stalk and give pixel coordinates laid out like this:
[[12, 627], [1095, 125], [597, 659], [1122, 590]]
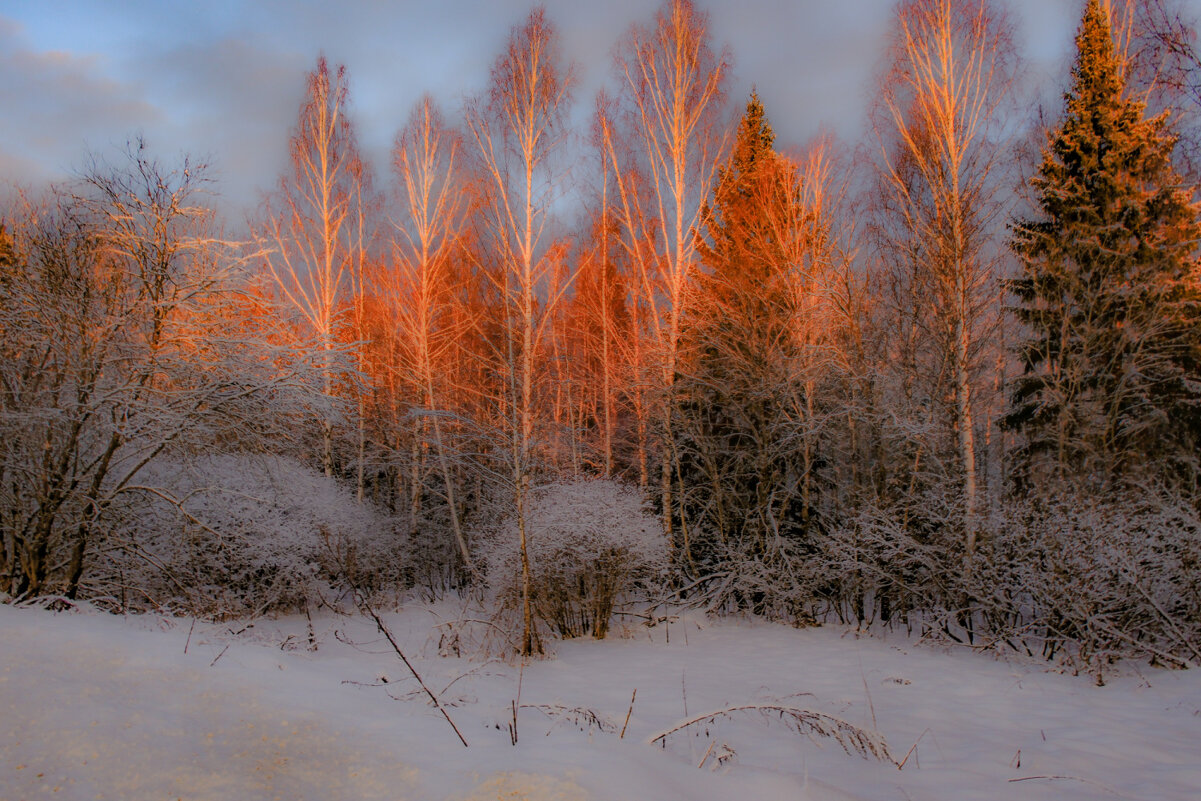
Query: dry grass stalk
[[853, 739]]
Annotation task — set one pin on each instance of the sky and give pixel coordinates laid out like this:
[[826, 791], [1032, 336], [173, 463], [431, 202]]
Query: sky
[[222, 80]]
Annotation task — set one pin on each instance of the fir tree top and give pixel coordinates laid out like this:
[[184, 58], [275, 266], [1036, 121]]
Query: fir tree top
[[735, 242], [730, 218], [755, 138], [1096, 75]]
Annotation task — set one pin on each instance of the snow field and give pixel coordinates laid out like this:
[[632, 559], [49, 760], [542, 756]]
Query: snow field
[[100, 707]]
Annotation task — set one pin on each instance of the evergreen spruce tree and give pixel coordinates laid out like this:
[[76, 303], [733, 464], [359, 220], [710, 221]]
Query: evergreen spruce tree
[[8, 252], [739, 465], [8, 270], [742, 308], [1109, 291]]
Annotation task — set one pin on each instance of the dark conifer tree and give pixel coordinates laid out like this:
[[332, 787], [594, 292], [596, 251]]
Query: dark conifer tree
[[1109, 291], [8, 253], [739, 457]]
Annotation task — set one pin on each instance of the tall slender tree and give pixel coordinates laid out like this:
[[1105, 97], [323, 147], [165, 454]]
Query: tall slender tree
[[951, 70], [516, 131], [427, 158], [672, 138], [599, 319], [1109, 291], [310, 224]]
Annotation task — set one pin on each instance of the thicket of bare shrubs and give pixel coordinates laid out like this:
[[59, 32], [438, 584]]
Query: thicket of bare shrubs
[[1092, 580], [240, 535], [1078, 578]]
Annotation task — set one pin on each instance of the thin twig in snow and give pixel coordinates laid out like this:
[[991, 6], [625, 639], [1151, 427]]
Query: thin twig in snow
[[366, 607], [912, 748], [712, 743], [629, 712], [218, 656]]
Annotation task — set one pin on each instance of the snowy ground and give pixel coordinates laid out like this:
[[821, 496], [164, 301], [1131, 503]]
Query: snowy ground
[[98, 707]]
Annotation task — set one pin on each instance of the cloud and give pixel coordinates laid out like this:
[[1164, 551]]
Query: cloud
[[56, 104], [233, 102], [224, 79]]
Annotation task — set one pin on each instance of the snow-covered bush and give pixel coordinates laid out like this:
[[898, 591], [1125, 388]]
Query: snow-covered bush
[[883, 562], [238, 534], [1094, 580], [776, 580], [589, 544], [1077, 579]]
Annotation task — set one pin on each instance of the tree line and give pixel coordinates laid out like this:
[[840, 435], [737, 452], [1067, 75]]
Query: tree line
[[949, 378]]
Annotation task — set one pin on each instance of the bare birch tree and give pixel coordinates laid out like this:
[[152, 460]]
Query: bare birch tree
[[516, 131], [599, 314], [427, 159], [951, 68], [310, 226], [669, 122], [1156, 45]]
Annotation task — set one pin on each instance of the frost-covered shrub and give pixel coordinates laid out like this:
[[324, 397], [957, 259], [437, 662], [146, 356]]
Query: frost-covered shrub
[[776, 580], [589, 544], [1095, 580], [1078, 579], [883, 562], [238, 534]]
